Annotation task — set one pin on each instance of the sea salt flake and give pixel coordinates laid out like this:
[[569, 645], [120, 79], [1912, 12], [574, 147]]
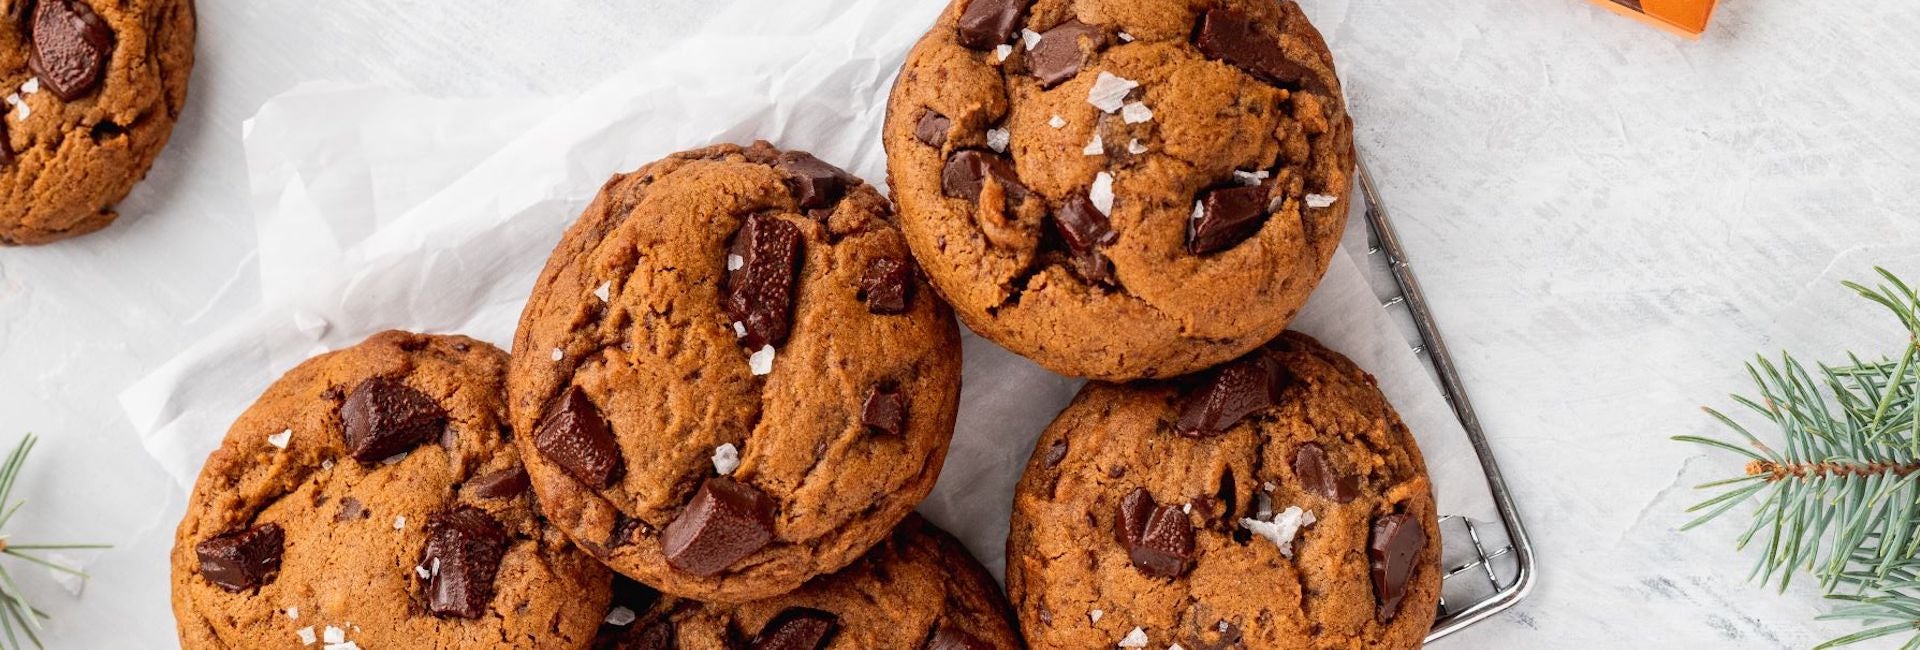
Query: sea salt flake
[[433, 571], [400, 522], [620, 616], [1250, 178], [1282, 529], [1134, 147], [422, 572], [1135, 639], [334, 635], [1175, 646], [306, 635], [72, 584], [1109, 91], [734, 262], [604, 292], [25, 111], [31, 86], [762, 361], [1269, 486], [726, 458], [1320, 200], [1126, 38], [1101, 194], [739, 330], [559, 354], [326, 464], [293, 613], [1057, 122], [1186, 508], [1135, 113], [1095, 147], [1029, 38], [280, 439], [1095, 615], [342, 646], [1002, 51], [997, 139], [1199, 211], [13, 99]]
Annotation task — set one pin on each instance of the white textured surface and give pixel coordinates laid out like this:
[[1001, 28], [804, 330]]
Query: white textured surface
[[1608, 221]]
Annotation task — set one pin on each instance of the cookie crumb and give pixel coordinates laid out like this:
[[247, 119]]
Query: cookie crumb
[[1094, 616], [620, 616], [1095, 147], [1029, 38], [558, 354], [1320, 201], [604, 292], [399, 523], [280, 440], [1134, 147], [1109, 91], [1002, 51], [1101, 194], [726, 458], [1057, 122], [762, 361], [306, 635], [1135, 639], [997, 139], [1135, 113], [734, 262]]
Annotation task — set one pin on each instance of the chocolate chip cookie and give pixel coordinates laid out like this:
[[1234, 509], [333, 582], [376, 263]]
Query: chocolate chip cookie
[[373, 495], [733, 377], [1274, 502], [1122, 189], [92, 90], [917, 589]]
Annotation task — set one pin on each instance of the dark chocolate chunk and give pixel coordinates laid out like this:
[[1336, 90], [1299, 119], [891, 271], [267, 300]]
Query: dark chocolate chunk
[[1249, 384], [760, 291], [1227, 216], [724, 522], [1396, 545], [464, 549], [1056, 452], [1060, 52], [385, 417], [989, 23], [1086, 231], [351, 509], [886, 285], [1317, 474], [948, 638], [71, 46], [1630, 4], [242, 559], [1158, 539], [797, 628], [885, 411], [967, 171], [932, 129], [815, 183], [1232, 36], [504, 484], [575, 437], [654, 634]]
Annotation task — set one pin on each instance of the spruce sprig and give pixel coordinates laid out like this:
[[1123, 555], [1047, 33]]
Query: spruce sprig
[[17, 616], [1839, 495]]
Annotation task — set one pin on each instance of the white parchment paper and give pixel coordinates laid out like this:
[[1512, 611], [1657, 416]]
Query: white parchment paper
[[382, 209]]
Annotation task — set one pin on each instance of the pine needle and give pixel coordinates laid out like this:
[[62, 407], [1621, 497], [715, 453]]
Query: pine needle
[[17, 615]]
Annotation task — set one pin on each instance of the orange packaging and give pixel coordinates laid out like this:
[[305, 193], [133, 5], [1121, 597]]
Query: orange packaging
[[1684, 17]]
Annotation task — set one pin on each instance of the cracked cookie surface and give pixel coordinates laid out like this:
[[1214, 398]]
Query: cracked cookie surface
[[291, 538], [917, 589], [1121, 189], [733, 377], [92, 92], [1276, 502]]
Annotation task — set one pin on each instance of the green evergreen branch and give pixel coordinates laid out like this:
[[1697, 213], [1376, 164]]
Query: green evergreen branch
[[17, 615], [1840, 497]]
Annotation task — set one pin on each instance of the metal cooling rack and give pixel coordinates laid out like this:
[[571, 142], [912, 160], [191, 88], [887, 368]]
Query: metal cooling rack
[[1488, 564]]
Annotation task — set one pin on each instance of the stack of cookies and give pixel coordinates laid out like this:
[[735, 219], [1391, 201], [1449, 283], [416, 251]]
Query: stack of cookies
[[739, 374]]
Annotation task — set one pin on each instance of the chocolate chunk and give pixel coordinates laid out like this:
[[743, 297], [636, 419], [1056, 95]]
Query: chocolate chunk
[[797, 628], [1249, 384], [815, 183], [1158, 539], [885, 411], [242, 559], [464, 548], [1060, 52], [385, 417], [1227, 216], [989, 23], [932, 129], [760, 291], [724, 522], [1396, 545], [1085, 231], [967, 171], [656, 634], [1231, 36], [947, 638], [626, 531], [1630, 4], [1317, 474], [504, 484], [886, 285], [575, 437], [71, 46], [351, 509], [1056, 452]]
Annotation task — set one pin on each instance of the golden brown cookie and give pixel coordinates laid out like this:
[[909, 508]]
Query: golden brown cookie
[[1275, 502], [92, 91], [733, 378], [373, 495], [918, 589], [1122, 189]]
